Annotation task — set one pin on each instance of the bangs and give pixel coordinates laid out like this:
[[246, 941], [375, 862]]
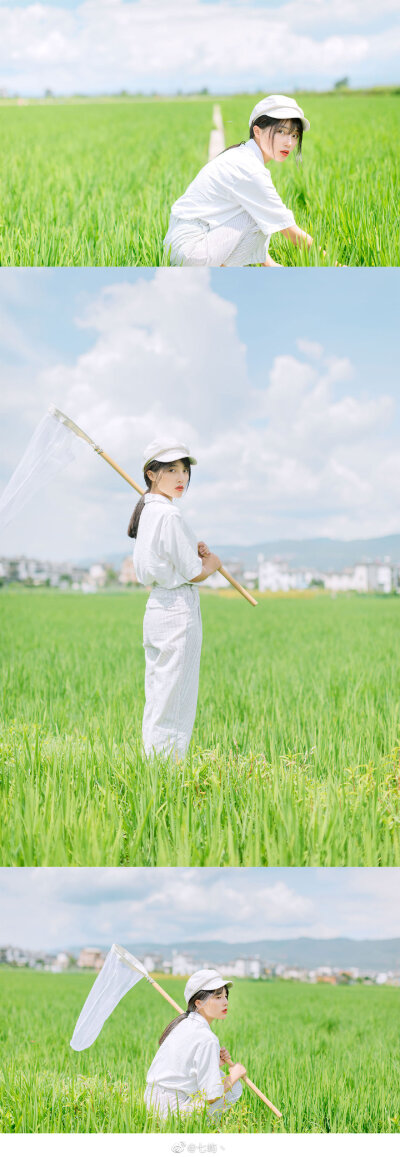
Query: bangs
[[290, 124]]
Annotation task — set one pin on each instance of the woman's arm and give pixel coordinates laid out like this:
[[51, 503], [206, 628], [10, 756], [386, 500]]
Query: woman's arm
[[236, 1071], [297, 236], [210, 563]]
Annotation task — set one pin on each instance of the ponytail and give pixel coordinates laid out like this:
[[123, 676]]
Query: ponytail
[[135, 517], [173, 1023]]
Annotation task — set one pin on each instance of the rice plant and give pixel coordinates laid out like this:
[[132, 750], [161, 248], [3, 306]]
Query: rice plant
[[329, 1058], [92, 182], [295, 753]]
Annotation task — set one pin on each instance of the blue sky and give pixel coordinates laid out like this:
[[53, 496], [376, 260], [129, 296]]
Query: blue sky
[[56, 907], [286, 389], [228, 45]]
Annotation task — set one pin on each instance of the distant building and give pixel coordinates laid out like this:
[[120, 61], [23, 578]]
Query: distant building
[[127, 574], [250, 579], [91, 958], [98, 574], [153, 962], [63, 960], [276, 575], [182, 964]]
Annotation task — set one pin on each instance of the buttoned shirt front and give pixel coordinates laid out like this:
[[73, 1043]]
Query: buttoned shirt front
[[165, 551], [233, 181], [188, 1060]]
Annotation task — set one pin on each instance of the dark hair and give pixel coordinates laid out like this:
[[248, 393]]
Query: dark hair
[[265, 122], [155, 466], [201, 995]]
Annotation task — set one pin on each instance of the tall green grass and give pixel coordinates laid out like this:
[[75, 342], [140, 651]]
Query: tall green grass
[[328, 1058], [345, 192], [93, 183], [295, 752]]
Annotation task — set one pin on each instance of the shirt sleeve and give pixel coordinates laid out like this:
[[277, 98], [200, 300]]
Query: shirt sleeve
[[208, 1072], [178, 549], [256, 194]]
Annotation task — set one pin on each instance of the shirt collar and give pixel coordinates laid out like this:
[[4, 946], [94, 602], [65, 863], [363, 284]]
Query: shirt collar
[[201, 1020], [156, 498], [252, 144]]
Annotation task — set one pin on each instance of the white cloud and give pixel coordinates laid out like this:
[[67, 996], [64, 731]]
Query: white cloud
[[117, 44], [306, 454], [55, 907], [312, 349]]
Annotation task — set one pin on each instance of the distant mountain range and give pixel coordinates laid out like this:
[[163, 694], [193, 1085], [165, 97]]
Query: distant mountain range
[[304, 951], [319, 553]]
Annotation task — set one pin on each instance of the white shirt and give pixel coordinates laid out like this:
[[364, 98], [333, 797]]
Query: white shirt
[[233, 181], [188, 1060], [165, 550]]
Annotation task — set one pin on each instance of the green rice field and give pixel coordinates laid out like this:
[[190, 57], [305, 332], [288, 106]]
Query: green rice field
[[295, 755], [92, 182], [329, 1058], [345, 191]]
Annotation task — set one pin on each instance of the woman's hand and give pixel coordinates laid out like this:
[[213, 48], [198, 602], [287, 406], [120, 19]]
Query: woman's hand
[[202, 549], [210, 563], [224, 1058], [236, 1071], [297, 236]]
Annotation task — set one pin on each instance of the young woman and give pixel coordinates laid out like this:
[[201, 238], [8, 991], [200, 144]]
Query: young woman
[[229, 212], [186, 1073], [168, 557]]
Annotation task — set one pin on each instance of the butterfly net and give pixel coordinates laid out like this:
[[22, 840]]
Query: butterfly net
[[118, 974], [51, 448]]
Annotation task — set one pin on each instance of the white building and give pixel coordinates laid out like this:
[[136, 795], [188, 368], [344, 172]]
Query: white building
[[363, 577], [153, 962], [97, 574], [276, 575], [182, 964]]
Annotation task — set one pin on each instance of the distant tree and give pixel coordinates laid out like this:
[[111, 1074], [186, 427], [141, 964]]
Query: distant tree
[[111, 575], [344, 83], [48, 93]]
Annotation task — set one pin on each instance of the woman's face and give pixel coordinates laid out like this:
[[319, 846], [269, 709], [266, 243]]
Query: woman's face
[[171, 482], [215, 1007], [277, 147]]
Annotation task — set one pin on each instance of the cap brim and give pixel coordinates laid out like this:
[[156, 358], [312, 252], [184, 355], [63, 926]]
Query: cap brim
[[284, 114], [211, 986]]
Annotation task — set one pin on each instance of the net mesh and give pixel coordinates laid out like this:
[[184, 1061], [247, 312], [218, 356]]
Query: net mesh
[[114, 980], [51, 448]]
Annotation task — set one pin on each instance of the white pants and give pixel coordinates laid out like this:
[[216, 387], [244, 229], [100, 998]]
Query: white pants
[[172, 636], [164, 1101], [239, 242]]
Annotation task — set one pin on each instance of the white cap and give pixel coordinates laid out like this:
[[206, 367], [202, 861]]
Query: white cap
[[205, 978], [164, 451], [283, 108]]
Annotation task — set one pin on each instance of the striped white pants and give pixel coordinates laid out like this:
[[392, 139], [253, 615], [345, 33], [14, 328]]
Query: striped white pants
[[239, 242], [164, 1101], [172, 636]]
